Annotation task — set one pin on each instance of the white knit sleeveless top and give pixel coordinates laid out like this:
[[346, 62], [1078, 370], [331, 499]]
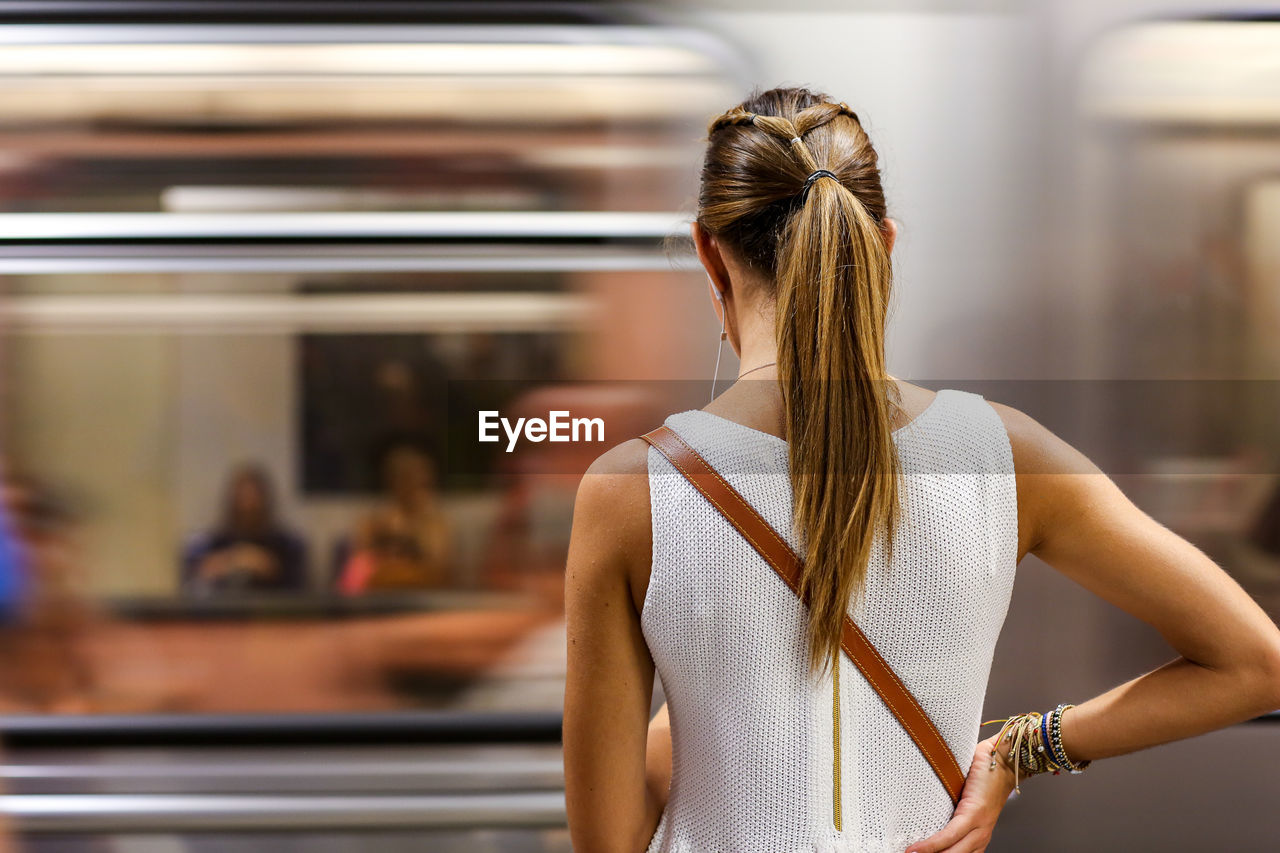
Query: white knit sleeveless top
[[751, 730]]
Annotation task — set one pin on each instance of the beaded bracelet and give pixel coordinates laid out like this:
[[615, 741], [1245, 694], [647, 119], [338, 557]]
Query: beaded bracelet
[[1058, 755], [1036, 744]]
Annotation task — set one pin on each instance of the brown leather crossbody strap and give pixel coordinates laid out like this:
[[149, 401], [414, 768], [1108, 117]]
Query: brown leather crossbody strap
[[778, 553]]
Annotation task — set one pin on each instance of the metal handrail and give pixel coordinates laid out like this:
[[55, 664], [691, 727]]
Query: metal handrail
[[448, 226], [397, 769], [288, 314], [326, 242], [79, 731], [107, 813], [66, 13], [115, 259]]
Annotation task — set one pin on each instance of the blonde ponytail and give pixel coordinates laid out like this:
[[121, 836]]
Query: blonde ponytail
[[823, 242]]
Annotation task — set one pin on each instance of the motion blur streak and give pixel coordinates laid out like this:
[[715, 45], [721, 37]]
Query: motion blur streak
[[262, 263]]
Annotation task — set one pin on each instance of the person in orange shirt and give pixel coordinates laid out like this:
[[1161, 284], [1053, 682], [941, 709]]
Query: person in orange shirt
[[406, 543]]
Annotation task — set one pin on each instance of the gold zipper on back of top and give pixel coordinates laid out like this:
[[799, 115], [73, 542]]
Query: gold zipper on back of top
[[835, 739]]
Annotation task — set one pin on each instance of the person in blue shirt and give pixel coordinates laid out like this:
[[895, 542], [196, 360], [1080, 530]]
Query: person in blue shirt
[[12, 562], [249, 550]]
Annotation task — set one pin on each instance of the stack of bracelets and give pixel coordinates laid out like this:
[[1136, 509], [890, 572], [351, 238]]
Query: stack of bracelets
[[1036, 744]]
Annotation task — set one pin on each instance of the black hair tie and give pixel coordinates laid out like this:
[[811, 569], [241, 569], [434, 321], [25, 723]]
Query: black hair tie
[[821, 173]]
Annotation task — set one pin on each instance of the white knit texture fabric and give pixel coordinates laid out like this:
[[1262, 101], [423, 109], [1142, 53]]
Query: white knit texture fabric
[[750, 728]]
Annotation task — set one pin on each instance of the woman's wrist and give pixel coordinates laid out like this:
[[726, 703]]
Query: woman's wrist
[[1063, 756], [1066, 730], [1001, 762], [1032, 743]]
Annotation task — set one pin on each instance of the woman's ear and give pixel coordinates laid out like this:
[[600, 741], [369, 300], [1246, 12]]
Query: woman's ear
[[890, 234], [712, 260]]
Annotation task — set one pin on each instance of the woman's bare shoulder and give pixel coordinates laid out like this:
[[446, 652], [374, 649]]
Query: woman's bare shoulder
[[629, 457], [611, 515], [615, 487], [1036, 448], [1039, 457]]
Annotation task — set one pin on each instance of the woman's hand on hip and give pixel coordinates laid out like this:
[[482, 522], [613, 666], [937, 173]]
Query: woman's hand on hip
[[985, 793]]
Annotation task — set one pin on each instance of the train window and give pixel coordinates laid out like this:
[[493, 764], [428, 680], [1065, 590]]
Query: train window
[[251, 277]]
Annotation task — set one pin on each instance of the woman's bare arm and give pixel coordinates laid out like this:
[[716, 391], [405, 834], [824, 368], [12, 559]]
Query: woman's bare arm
[[1072, 516], [609, 684], [1081, 524]]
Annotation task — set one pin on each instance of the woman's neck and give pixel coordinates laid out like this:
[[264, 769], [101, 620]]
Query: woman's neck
[[756, 344]]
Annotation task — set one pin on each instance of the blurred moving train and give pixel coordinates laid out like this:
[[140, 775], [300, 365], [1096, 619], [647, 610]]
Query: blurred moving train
[[309, 239]]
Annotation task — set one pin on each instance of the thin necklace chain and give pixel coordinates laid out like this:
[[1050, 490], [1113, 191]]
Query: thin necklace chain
[[754, 369]]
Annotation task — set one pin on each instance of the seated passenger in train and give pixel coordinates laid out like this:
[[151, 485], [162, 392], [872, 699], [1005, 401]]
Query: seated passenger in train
[[12, 574], [406, 543], [250, 549], [45, 641]]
